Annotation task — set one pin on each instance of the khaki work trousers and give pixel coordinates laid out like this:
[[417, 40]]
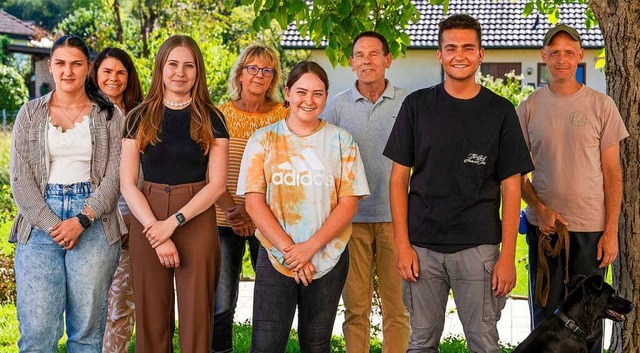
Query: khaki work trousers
[[372, 247], [196, 278]]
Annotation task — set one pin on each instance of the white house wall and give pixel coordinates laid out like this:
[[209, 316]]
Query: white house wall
[[420, 68]]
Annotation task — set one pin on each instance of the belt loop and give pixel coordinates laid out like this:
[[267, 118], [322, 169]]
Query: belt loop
[[191, 191]]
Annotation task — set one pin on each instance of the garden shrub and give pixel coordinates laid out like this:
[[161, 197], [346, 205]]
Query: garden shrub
[[7, 279]]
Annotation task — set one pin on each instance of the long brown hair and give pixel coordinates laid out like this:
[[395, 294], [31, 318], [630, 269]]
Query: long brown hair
[[148, 116]]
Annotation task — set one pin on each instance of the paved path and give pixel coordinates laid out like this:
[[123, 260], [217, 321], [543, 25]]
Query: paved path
[[513, 325]]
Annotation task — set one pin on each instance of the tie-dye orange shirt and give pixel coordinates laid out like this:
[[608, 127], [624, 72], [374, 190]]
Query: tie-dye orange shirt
[[302, 178]]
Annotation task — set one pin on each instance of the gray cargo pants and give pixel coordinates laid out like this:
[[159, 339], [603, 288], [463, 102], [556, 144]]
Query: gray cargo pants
[[468, 274]]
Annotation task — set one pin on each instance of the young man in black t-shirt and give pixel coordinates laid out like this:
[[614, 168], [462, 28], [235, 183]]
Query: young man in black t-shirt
[[465, 146]]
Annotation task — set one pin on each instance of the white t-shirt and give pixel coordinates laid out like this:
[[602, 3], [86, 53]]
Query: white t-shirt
[[70, 153]]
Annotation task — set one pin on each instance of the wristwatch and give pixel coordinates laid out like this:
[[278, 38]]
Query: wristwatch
[[180, 219], [85, 221]]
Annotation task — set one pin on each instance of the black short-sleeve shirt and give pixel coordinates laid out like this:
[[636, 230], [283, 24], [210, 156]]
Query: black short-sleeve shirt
[[176, 159], [460, 151]]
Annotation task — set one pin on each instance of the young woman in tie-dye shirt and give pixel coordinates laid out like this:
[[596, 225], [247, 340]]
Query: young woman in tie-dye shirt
[[301, 178]]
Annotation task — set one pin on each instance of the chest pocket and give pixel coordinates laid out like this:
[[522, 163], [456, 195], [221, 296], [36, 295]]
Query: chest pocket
[[34, 146], [475, 157]]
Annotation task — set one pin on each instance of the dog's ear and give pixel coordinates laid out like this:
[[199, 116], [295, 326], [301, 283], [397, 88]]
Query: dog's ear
[[595, 281], [574, 282]]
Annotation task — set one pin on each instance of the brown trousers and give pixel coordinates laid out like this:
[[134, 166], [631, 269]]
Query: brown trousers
[[196, 278]]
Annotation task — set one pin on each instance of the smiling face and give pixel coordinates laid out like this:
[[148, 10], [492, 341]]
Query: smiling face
[[460, 54], [179, 74], [306, 97], [257, 84], [369, 61], [69, 68], [562, 56], [112, 78]]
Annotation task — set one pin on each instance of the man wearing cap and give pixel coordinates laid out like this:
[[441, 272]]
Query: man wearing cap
[[368, 110], [574, 134]]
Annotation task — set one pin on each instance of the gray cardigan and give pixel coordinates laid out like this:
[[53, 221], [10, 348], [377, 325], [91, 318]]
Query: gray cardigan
[[29, 170]]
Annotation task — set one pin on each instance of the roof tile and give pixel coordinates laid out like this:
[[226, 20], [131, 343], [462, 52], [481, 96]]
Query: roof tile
[[502, 21]]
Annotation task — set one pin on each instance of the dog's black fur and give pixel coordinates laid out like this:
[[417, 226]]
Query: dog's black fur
[[589, 300]]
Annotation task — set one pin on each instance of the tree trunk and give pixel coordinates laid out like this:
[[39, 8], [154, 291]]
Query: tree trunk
[[618, 21], [118, 20]]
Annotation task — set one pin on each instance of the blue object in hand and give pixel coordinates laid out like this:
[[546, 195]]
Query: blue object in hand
[[522, 228]]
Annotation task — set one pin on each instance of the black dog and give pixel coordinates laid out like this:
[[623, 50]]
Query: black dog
[[576, 320]]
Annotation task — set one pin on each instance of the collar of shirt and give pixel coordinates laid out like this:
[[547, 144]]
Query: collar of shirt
[[389, 91]]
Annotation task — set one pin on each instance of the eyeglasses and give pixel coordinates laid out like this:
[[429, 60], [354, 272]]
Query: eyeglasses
[[266, 71]]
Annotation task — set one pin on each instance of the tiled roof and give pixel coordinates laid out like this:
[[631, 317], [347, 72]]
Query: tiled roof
[[11, 25], [503, 25]]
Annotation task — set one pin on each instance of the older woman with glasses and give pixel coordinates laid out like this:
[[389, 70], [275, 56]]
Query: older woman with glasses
[[253, 87]]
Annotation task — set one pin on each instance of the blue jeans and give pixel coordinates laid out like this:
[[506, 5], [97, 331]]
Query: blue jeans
[[52, 281], [232, 247], [276, 297]]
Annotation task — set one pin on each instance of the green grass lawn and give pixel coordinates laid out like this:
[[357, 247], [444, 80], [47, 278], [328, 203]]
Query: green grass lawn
[[241, 338]]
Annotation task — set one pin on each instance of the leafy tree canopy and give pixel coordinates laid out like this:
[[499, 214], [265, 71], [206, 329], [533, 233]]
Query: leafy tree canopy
[[337, 22], [45, 13], [334, 23]]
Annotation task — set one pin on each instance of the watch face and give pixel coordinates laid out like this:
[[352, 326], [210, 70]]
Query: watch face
[[180, 218]]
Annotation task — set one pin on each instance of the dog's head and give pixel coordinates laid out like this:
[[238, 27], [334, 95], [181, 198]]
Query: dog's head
[[598, 297]]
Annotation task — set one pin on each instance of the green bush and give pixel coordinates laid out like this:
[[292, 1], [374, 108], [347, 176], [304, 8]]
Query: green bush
[[13, 91], [510, 87], [7, 279]]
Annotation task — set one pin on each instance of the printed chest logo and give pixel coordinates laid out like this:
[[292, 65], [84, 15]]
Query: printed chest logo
[[578, 118], [303, 169], [475, 158]]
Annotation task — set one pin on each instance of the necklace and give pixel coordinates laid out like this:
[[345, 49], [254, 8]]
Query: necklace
[[286, 121], [73, 121], [177, 104]]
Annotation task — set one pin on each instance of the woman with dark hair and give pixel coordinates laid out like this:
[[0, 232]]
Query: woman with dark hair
[[253, 87], [116, 76], [181, 140], [65, 154], [301, 178]]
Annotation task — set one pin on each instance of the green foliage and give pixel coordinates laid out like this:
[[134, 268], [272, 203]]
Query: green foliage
[[46, 13], [5, 56], [7, 280], [7, 207], [510, 87], [338, 22], [13, 91], [92, 23], [9, 333], [221, 31], [551, 8]]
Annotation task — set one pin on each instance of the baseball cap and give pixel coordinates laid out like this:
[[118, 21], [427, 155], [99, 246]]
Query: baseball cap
[[561, 28]]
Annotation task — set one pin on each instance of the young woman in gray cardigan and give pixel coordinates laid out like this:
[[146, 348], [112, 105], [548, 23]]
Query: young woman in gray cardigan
[[65, 154]]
